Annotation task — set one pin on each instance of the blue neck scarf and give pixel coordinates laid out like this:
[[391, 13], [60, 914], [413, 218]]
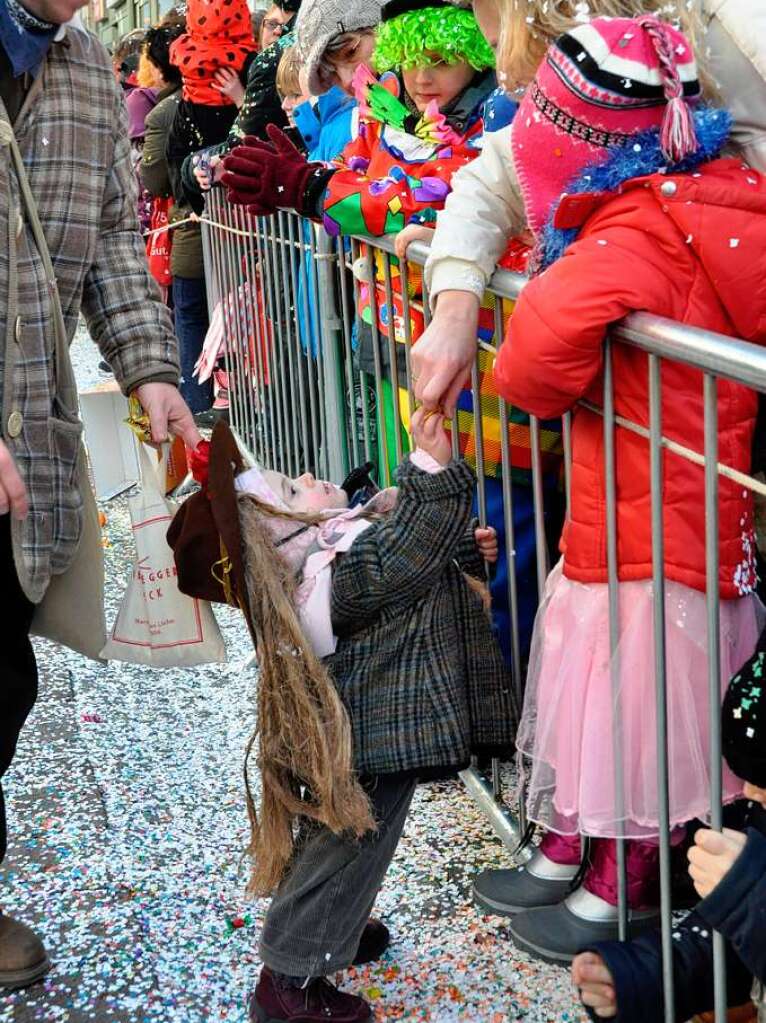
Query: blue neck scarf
[[25, 38]]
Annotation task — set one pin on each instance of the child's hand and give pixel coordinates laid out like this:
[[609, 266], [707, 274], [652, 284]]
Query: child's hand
[[203, 178], [206, 171], [411, 233], [757, 795], [226, 81], [712, 857], [591, 975], [486, 541], [429, 434]]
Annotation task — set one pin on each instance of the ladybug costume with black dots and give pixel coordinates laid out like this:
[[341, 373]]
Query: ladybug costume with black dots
[[219, 35]]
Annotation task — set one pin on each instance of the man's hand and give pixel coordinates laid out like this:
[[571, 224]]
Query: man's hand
[[168, 414], [712, 857], [13, 493], [444, 353], [486, 541], [591, 975], [429, 435]]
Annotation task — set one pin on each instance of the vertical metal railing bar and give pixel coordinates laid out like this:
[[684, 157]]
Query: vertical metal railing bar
[[510, 539], [481, 488], [384, 472], [392, 356], [566, 436], [293, 338], [322, 453], [242, 303], [656, 456], [259, 341], [541, 540], [338, 453], [296, 256], [404, 270], [283, 348], [710, 398], [314, 397], [276, 381], [269, 389], [370, 455], [234, 309], [217, 241], [228, 303], [345, 301], [207, 257], [242, 222], [614, 634]]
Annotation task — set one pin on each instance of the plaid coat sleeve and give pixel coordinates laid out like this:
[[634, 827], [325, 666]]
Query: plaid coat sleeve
[[400, 559], [121, 302], [468, 556]]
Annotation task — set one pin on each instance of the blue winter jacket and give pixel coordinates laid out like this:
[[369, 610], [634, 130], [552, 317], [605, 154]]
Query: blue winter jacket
[[325, 126], [736, 908]]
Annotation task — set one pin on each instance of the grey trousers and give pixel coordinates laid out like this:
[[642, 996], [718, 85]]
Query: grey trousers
[[316, 918]]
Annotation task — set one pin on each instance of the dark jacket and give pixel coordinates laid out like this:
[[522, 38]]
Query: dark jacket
[[736, 908], [154, 164], [186, 251], [417, 664], [262, 106], [195, 126]]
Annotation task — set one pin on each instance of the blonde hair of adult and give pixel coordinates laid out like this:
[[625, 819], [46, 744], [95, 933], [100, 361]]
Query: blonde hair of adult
[[527, 27]]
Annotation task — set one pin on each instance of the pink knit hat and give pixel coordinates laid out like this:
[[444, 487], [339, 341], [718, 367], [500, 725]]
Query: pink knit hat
[[598, 86]]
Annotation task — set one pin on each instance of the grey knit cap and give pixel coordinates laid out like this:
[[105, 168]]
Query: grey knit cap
[[321, 21]]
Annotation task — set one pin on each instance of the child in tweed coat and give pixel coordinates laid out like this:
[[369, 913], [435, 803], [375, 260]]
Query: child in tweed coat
[[385, 599]]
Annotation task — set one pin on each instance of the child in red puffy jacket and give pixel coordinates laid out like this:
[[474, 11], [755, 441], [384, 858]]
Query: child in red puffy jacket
[[631, 210]]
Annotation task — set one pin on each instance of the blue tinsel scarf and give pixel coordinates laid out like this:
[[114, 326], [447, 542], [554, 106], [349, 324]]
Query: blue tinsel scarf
[[25, 38], [642, 155]]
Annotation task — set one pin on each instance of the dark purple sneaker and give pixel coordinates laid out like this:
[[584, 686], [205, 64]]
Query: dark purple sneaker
[[276, 1001]]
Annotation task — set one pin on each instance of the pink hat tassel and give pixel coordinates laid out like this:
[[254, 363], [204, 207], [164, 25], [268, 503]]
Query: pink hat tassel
[[678, 138]]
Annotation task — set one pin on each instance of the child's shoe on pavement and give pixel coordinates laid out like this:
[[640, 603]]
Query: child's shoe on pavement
[[278, 999]]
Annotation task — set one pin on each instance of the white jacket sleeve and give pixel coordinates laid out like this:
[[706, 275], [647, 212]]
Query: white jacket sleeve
[[483, 211], [736, 47]]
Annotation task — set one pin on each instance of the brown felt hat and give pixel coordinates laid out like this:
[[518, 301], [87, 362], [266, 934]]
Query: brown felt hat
[[205, 534]]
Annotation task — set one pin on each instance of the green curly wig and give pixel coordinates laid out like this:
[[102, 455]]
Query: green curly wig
[[448, 34]]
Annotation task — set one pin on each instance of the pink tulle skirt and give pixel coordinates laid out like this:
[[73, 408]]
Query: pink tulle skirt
[[568, 738]]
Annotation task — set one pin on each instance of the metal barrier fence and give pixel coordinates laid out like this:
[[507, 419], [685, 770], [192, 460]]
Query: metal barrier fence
[[291, 297]]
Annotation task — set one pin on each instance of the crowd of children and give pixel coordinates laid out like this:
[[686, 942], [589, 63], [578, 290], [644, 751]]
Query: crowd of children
[[612, 150]]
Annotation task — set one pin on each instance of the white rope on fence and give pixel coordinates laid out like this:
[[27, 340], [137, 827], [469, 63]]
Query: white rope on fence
[[194, 219]]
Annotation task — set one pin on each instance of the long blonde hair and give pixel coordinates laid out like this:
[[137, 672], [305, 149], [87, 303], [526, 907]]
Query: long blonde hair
[[303, 734], [528, 27]]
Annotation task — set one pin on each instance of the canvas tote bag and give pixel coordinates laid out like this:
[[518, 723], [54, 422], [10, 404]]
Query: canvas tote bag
[[157, 624]]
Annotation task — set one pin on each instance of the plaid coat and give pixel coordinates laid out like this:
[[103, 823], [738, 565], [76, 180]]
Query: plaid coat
[[417, 664], [72, 133]]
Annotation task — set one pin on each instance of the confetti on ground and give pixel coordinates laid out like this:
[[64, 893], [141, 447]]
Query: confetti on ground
[[128, 823]]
